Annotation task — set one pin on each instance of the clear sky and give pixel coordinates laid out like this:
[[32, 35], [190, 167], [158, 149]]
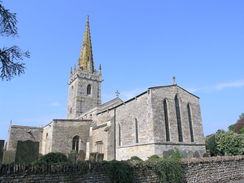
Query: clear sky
[[139, 43]]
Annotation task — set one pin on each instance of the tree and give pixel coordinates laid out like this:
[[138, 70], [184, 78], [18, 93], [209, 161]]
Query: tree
[[231, 127], [230, 143], [241, 116], [10, 56], [211, 145], [239, 125]]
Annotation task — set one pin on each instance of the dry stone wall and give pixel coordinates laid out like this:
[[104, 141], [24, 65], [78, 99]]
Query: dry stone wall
[[201, 170]]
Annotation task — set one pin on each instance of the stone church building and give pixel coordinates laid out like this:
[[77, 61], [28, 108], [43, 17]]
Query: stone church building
[[156, 121]]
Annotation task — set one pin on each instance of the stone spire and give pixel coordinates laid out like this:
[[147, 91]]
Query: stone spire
[[86, 58]]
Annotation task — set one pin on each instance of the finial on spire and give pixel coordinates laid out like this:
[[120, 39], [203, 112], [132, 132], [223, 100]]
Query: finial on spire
[[100, 67], [117, 93], [174, 80]]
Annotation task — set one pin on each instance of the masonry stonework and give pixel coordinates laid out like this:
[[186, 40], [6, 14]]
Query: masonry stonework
[[205, 170]]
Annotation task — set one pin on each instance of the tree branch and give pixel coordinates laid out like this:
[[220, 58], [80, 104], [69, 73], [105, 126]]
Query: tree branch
[[9, 66]]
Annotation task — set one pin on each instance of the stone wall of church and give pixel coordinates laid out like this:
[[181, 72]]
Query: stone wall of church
[[142, 151], [23, 133], [169, 93], [65, 130], [186, 150], [187, 147], [134, 126], [78, 99], [104, 131], [47, 137]]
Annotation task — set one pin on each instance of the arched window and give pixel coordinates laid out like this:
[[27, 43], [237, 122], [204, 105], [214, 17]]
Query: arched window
[[178, 117], [119, 135], [136, 130], [190, 122], [75, 143], [166, 119], [88, 90]]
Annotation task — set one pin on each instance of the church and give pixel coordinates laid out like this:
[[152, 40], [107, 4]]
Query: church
[[155, 122]]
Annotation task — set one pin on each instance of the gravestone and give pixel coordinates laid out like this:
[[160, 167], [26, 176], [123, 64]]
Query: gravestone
[[8, 157], [76, 157], [72, 156], [27, 151], [81, 156], [96, 157], [1, 150], [196, 154]]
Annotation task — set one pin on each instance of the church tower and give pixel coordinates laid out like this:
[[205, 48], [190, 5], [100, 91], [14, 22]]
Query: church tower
[[85, 82]]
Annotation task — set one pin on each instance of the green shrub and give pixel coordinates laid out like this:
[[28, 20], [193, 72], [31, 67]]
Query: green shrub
[[51, 158], [175, 154], [211, 145], [168, 168], [153, 158], [135, 158], [230, 143], [120, 171]]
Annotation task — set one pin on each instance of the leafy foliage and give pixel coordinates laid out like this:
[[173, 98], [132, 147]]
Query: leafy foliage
[[239, 125], [8, 22], [9, 67], [230, 143], [9, 57], [120, 171], [211, 145], [169, 169], [241, 116], [174, 154], [135, 158], [53, 157], [153, 158], [231, 127]]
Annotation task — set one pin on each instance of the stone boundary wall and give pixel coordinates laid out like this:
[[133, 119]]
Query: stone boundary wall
[[200, 170], [215, 169]]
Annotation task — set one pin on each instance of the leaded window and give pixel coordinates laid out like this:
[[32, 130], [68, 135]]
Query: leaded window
[[178, 118], [166, 119], [190, 122]]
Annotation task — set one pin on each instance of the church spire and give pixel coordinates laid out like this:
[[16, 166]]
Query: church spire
[[86, 58]]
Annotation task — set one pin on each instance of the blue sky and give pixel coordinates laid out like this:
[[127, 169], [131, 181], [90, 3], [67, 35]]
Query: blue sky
[[139, 44]]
